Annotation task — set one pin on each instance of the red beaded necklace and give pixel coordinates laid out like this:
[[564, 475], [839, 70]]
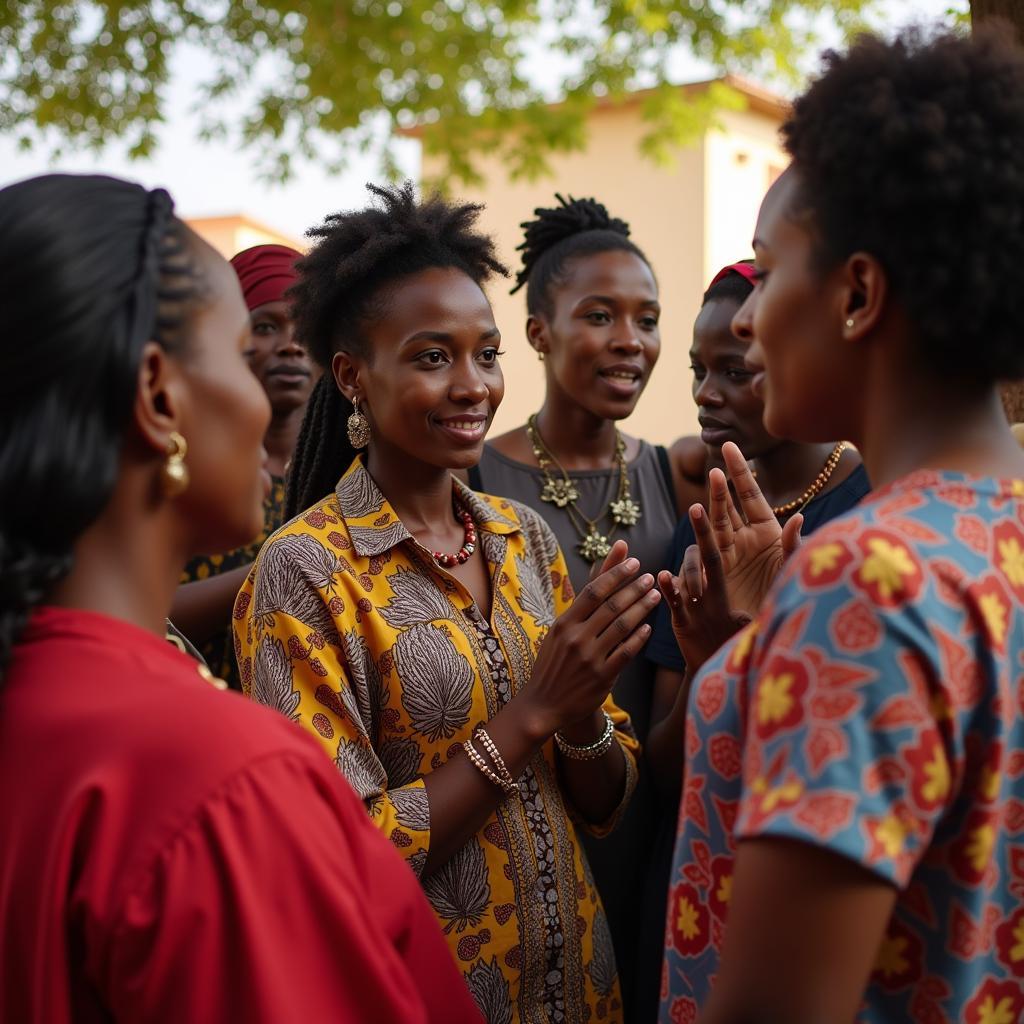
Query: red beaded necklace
[[468, 541]]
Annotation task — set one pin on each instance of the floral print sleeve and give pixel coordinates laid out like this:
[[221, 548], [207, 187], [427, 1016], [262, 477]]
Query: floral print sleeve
[[844, 745], [876, 709]]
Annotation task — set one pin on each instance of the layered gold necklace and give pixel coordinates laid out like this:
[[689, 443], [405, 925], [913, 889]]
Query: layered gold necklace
[[560, 491]]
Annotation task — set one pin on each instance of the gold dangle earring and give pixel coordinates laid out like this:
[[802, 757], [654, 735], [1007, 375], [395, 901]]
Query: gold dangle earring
[[174, 474], [358, 427]]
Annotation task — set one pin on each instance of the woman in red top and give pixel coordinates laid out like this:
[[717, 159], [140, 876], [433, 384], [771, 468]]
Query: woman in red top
[[168, 852]]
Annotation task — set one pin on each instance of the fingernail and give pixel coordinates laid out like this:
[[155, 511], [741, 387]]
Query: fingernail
[[647, 580], [632, 564], [645, 629], [697, 512]]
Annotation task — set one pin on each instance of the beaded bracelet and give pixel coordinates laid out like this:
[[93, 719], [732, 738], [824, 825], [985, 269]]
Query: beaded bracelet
[[474, 755], [492, 750], [591, 751]]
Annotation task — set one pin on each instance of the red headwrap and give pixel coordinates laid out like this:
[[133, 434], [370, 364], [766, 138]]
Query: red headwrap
[[743, 269], [265, 272]]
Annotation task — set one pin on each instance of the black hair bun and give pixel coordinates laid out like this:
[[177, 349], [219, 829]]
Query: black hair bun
[[555, 224]]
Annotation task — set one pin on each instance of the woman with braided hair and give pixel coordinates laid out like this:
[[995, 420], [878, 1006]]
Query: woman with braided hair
[[168, 851], [427, 635], [592, 317]]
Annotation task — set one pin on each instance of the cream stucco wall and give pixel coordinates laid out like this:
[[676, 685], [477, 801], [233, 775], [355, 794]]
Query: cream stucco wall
[[690, 217], [741, 160], [235, 232]]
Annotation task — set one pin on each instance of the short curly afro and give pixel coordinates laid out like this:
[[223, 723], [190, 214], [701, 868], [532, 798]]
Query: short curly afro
[[913, 150], [344, 283], [358, 254]]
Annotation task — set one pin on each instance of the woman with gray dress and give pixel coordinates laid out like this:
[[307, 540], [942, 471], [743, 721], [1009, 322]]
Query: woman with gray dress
[[592, 317]]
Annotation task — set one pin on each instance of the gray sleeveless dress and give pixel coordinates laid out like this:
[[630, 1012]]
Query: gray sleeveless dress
[[620, 861]]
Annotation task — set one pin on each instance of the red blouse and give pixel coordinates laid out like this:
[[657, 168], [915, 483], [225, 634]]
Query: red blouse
[[171, 852]]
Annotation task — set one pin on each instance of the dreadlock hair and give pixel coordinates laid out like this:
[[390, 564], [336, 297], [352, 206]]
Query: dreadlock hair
[[557, 237], [733, 287], [342, 287], [91, 269]]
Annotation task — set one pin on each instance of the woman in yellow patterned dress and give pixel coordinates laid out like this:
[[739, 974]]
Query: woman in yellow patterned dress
[[427, 635]]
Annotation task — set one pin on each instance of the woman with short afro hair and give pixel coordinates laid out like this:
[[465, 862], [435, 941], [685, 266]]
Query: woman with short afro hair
[[426, 635], [849, 838]]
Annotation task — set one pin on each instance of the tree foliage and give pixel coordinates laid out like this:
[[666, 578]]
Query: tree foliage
[[315, 78]]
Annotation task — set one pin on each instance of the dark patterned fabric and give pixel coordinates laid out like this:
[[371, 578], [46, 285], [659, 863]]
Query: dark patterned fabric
[[218, 652]]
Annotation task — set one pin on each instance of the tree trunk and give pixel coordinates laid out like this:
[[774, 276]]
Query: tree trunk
[[1009, 10]]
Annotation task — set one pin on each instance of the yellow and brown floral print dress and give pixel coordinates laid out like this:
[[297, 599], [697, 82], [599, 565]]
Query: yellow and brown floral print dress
[[347, 626]]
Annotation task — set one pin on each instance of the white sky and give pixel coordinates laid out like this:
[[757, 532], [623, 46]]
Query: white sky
[[208, 178]]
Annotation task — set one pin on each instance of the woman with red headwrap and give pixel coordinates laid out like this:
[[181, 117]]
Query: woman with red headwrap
[[202, 608]]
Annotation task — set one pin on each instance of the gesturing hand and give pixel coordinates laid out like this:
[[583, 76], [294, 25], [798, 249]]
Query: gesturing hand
[[697, 598], [591, 643], [753, 545]]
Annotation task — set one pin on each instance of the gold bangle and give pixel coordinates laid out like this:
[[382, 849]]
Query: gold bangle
[[591, 751], [482, 766]]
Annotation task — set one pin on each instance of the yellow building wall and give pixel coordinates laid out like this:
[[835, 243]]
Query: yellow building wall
[[233, 233], [690, 218], [742, 158]]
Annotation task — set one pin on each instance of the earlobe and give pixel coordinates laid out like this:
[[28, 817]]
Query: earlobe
[[159, 400], [537, 335], [864, 295], [346, 375]]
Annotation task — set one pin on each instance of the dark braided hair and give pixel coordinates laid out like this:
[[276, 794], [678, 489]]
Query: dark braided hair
[[91, 268], [342, 287], [560, 235], [913, 150]]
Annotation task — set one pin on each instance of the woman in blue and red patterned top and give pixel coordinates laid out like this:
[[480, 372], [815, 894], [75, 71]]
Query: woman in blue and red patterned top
[[851, 835]]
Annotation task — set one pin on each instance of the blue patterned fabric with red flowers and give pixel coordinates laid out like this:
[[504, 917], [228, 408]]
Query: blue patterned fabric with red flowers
[[875, 709]]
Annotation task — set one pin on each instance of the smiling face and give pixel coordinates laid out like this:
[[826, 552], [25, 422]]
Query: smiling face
[[429, 381], [809, 380], [728, 409], [280, 363], [601, 339]]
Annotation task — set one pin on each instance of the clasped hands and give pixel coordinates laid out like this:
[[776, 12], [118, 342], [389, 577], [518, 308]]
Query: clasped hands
[[726, 575]]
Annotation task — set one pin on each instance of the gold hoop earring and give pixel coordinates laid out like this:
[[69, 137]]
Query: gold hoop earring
[[174, 475], [358, 427]]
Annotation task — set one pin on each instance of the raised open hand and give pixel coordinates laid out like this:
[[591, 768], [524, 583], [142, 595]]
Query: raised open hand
[[697, 598], [750, 540], [591, 643]]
